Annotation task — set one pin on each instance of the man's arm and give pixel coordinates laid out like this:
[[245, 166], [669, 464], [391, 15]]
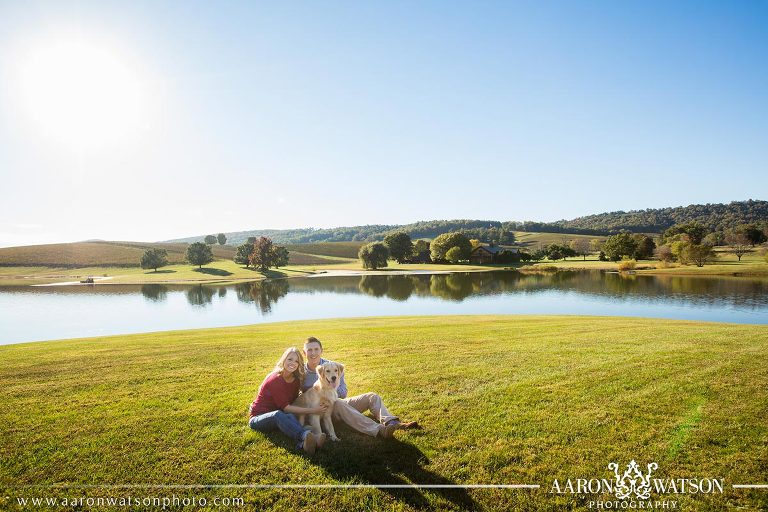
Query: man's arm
[[342, 389]]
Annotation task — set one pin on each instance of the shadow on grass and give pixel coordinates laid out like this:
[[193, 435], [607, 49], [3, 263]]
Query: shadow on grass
[[213, 271], [161, 272], [361, 459]]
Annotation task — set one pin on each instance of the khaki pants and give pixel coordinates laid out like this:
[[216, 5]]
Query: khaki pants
[[350, 411]]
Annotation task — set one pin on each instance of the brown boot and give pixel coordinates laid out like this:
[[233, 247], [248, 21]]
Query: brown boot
[[388, 432], [310, 444]]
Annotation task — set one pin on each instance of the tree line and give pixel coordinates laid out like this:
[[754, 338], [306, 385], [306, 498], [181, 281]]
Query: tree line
[[260, 253], [715, 217]]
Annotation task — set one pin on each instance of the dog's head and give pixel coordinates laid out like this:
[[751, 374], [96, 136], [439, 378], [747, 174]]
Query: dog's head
[[329, 374]]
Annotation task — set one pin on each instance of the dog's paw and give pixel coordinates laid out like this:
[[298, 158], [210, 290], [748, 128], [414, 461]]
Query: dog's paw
[[334, 438]]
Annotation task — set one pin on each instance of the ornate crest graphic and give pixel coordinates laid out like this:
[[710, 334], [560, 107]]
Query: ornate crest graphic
[[633, 482]]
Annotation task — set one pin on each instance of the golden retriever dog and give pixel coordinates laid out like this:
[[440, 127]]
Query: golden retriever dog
[[322, 392]]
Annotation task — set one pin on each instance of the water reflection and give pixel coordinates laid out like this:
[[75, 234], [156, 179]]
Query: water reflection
[[200, 296], [78, 311], [459, 286], [262, 293], [154, 292]]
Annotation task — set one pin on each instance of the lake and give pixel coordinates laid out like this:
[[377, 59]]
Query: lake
[[44, 313]]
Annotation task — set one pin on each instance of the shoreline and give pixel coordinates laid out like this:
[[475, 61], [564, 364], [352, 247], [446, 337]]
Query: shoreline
[[25, 276]]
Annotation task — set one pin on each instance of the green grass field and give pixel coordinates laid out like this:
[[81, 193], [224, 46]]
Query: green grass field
[[752, 264], [502, 399]]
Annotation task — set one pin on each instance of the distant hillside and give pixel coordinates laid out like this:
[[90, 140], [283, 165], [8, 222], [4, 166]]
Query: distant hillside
[[95, 254], [717, 217], [479, 229]]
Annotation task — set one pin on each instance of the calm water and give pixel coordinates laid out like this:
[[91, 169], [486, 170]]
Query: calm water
[[43, 313]]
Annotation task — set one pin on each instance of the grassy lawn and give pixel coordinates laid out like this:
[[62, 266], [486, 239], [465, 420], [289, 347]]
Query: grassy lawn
[[220, 271], [503, 399], [752, 264], [216, 272]]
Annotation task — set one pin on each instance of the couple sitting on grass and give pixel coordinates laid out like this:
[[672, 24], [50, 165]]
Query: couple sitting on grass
[[273, 407]]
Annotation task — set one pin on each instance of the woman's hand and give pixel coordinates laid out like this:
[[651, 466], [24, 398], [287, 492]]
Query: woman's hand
[[320, 409]]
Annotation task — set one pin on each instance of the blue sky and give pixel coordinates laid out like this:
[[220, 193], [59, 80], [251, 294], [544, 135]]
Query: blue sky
[[242, 115]]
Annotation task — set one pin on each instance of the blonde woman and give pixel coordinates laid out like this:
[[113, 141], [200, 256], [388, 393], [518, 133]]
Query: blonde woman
[[272, 407]]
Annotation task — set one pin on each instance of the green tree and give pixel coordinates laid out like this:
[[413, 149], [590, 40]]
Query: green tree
[[699, 254], [714, 238], [645, 247], [678, 250], [619, 245], [753, 233], [221, 238], [399, 245], [693, 230], [199, 254], [154, 258], [420, 250], [280, 256], [556, 251], [243, 254], [373, 255], [441, 244], [210, 239], [263, 252], [454, 254]]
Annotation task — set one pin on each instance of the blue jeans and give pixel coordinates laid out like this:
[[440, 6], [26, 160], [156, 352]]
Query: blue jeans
[[286, 422]]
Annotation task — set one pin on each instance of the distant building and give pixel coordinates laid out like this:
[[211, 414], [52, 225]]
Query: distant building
[[483, 254]]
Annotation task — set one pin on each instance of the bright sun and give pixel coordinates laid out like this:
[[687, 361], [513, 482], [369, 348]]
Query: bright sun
[[84, 96]]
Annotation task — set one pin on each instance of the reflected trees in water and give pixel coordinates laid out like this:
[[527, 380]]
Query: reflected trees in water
[[154, 292], [200, 296], [262, 293]]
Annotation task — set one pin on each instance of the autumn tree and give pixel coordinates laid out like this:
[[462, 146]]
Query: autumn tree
[[738, 244], [581, 246], [262, 254]]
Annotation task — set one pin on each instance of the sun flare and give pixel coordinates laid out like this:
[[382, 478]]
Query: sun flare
[[86, 97]]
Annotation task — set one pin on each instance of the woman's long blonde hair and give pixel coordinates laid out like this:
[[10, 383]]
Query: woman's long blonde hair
[[300, 372]]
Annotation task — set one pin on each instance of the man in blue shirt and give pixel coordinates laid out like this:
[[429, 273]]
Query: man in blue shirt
[[350, 410]]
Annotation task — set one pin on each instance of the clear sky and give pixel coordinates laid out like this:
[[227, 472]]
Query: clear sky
[[156, 120]]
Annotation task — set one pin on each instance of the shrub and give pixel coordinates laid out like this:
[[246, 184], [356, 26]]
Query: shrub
[[627, 264]]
